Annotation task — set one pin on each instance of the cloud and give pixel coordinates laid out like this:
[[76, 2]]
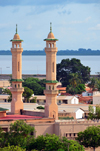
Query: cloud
[[37, 9], [81, 21], [15, 10], [97, 27], [65, 12], [44, 2]]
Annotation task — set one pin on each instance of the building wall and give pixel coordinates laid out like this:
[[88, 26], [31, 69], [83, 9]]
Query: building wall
[[67, 115], [33, 113], [96, 99]]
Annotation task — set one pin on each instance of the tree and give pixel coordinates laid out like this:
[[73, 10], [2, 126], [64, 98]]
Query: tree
[[19, 134], [90, 137], [77, 90], [97, 84], [94, 112], [92, 83], [35, 84], [55, 143], [12, 148], [67, 67], [27, 93]]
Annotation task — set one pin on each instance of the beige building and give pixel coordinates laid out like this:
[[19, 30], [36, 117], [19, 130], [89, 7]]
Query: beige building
[[4, 83], [96, 98], [41, 99]]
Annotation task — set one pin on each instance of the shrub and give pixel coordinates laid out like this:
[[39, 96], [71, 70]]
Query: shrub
[[40, 107]]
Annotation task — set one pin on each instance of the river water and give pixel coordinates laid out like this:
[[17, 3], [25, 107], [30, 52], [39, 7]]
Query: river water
[[37, 64]]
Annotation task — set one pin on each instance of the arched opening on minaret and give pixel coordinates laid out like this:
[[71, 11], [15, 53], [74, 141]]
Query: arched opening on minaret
[[14, 45], [15, 85], [53, 67], [18, 85], [18, 66], [49, 45], [53, 45]]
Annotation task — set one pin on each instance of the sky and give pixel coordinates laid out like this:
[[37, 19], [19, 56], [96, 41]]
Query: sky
[[76, 23]]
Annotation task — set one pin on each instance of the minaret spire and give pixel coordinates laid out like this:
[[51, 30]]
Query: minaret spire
[[50, 27], [16, 28]]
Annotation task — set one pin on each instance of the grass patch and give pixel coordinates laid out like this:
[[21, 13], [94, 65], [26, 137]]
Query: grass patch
[[65, 118]]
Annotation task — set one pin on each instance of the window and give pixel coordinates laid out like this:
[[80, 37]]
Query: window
[[18, 66], [53, 67]]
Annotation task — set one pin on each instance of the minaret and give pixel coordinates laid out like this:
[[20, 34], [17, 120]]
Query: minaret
[[51, 108], [17, 89]]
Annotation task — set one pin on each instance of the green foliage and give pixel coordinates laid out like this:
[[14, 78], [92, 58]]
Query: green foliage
[[66, 118], [7, 91], [90, 137], [27, 93], [68, 67], [12, 148], [35, 84], [94, 113], [75, 90], [40, 107], [19, 135], [60, 149], [33, 100], [97, 84], [55, 143], [20, 127], [92, 83]]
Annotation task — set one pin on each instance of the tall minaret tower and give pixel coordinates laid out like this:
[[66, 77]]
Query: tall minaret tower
[[17, 89], [51, 108]]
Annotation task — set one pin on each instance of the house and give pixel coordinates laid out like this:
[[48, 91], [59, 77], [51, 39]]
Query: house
[[87, 93], [4, 97], [67, 100], [76, 113], [41, 99], [86, 99]]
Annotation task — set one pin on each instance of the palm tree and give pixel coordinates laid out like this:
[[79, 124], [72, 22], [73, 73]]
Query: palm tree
[[74, 81], [92, 84]]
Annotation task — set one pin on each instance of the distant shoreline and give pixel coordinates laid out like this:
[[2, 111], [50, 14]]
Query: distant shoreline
[[80, 52]]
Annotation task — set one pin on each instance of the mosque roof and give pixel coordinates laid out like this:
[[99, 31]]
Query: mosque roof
[[16, 36], [50, 35], [3, 109]]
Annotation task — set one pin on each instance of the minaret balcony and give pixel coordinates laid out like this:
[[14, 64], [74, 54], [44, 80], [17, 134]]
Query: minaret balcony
[[16, 49], [51, 92], [17, 89], [51, 49]]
